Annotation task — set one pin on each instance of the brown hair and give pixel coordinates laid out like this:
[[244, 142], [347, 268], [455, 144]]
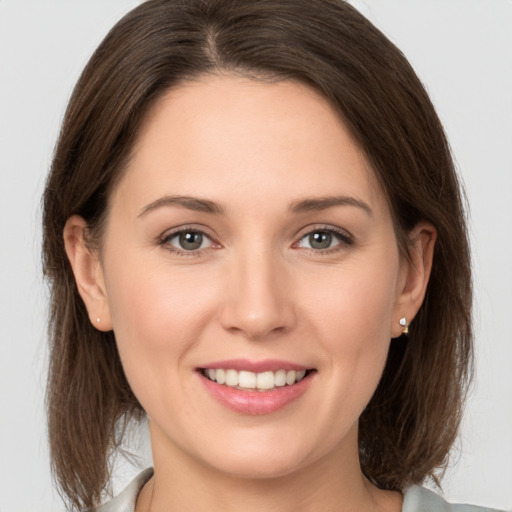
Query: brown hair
[[408, 427]]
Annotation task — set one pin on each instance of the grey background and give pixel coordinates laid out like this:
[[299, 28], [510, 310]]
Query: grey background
[[462, 50]]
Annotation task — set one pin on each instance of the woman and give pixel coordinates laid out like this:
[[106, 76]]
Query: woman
[[255, 237]]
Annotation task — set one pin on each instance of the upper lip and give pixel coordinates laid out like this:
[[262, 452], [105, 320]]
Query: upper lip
[[265, 365]]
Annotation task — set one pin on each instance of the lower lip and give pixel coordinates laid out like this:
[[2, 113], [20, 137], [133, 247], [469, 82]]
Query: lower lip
[[256, 402]]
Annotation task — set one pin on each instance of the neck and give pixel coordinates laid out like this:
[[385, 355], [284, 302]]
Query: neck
[[334, 483]]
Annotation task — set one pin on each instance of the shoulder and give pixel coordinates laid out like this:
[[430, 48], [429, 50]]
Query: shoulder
[[419, 499], [416, 499], [125, 501]]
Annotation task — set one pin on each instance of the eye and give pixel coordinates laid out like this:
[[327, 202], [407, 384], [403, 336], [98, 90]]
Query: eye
[[324, 239], [187, 240], [318, 240]]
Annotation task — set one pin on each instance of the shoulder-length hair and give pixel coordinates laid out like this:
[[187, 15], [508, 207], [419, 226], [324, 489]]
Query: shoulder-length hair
[[408, 427]]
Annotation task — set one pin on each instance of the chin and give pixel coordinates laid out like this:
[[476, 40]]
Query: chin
[[259, 468], [260, 457]]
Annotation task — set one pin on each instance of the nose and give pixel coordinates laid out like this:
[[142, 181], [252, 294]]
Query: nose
[[258, 300]]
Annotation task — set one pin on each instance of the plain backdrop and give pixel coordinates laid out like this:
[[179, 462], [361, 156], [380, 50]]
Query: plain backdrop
[[461, 49]]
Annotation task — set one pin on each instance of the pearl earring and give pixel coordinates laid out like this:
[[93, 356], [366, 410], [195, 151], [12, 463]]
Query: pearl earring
[[404, 324], [98, 320]]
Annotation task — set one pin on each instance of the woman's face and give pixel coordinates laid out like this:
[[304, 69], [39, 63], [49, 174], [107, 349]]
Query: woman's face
[[250, 241]]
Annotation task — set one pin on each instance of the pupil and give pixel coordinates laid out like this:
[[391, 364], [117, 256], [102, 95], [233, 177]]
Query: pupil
[[320, 240], [191, 240]]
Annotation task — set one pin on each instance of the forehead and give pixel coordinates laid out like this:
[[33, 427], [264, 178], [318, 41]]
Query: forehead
[[247, 136]]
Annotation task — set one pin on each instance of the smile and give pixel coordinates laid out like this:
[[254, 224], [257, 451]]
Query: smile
[[255, 387], [246, 380]]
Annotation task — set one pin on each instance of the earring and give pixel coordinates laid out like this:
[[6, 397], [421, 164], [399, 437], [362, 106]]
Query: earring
[[404, 324], [98, 320]]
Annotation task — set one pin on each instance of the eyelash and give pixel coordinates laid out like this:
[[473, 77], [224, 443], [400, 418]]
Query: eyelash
[[167, 237], [343, 238]]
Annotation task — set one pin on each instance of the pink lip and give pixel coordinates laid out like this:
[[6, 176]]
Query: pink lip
[[266, 365], [256, 402]]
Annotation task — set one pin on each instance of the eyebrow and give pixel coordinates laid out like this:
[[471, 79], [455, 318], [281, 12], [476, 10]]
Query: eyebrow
[[190, 203], [323, 203], [302, 206]]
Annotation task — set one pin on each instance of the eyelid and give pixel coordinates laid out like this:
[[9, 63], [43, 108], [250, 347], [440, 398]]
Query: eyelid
[[345, 238], [164, 239]]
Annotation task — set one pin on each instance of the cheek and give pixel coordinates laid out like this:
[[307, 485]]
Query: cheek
[[157, 313], [357, 304], [353, 322], [157, 317]]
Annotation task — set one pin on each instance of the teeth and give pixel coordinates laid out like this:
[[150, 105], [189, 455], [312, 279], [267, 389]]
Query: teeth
[[265, 380], [220, 376], [280, 378], [290, 377], [231, 378], [249, 380]]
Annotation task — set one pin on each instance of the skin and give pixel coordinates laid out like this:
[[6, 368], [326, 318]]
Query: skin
[[255, 289]]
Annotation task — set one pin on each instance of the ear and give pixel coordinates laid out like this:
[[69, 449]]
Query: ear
[[88, 272], [414, 275]]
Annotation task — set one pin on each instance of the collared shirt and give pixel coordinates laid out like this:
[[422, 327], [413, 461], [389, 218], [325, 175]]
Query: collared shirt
[[416, 499]]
